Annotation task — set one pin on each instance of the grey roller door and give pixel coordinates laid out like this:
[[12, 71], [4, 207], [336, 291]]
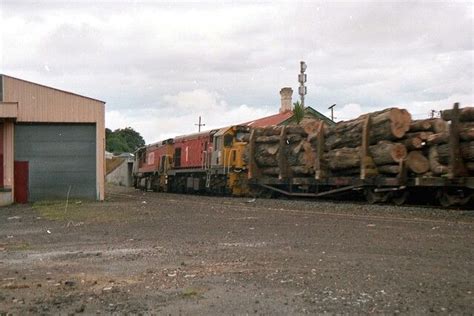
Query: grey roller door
[[60, 156]]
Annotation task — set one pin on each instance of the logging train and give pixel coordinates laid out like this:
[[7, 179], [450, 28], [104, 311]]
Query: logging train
[[385, 156]]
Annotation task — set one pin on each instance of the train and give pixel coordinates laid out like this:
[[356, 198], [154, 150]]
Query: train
[[222, 162], [205, 162]]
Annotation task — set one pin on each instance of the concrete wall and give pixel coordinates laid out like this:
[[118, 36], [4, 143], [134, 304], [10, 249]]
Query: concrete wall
[[122, 175]]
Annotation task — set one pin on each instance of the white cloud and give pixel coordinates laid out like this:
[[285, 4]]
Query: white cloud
[[346, 112], [179, 116], [159, 64], [195, 100]]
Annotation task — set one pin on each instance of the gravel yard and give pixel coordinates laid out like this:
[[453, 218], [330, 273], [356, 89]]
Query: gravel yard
[[179, 254]]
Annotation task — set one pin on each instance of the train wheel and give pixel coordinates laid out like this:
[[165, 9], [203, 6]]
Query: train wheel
[[374, 197], [445, 199], [400, 197]]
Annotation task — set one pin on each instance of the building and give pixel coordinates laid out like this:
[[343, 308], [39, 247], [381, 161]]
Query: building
[[52, 143], [285, 115], [119, 170]]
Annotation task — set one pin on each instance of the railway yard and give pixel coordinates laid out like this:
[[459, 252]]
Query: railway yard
[[148, 252]]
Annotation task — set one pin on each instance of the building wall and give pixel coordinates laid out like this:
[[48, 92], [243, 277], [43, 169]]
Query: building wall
[[43, 104], [61, 159], [8, 153], [38, 103], [122, 175]]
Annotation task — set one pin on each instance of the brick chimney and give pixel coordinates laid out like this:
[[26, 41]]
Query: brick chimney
[[286, 104]]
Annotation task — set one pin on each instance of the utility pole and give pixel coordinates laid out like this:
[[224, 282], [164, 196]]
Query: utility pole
[[332, 111], [302, 79], [200, 124]]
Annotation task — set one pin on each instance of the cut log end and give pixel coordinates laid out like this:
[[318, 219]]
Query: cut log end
[[417, 162]]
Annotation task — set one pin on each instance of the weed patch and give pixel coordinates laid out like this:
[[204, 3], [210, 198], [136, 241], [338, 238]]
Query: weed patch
[[76, 212]]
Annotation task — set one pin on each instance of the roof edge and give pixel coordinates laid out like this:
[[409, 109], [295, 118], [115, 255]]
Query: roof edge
[[49, 87]]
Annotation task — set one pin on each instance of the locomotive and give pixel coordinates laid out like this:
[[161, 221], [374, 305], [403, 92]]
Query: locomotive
[[205, 162]]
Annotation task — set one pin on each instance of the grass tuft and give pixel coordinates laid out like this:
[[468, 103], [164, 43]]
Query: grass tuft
[[190, 293], [79, 211]]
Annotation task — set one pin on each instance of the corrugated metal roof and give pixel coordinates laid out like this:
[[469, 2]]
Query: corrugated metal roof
[[52, 88], [275, 119]]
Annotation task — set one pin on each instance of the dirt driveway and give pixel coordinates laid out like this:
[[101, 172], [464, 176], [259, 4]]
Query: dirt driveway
[[176, 254]]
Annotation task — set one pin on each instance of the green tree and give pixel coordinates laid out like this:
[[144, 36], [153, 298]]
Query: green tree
[[298, 112], [123, 140]]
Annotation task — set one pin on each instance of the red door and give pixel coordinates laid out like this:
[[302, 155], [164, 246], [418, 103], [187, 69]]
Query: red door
[[1, 170], [21, 181]]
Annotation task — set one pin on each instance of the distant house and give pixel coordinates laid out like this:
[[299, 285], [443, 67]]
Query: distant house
[[285, 115]]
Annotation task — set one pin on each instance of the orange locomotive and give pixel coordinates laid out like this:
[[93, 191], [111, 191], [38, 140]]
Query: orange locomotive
[[210, 162]]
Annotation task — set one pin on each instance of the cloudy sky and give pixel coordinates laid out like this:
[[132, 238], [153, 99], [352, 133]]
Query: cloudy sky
[[160, 65]]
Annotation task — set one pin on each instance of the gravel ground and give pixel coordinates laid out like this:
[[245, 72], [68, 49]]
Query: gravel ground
[[176, 254]]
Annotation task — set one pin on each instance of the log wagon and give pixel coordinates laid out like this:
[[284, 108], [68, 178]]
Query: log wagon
[[384, 155]]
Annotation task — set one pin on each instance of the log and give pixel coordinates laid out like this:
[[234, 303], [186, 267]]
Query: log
[[466, 125], [266, 150], [270, 161], [439, 126], [309, 155], [467, 151], [267, 139], [412, 143], [466, 134], [275, 171], [470, 166], [435, 166], [386, 152], [420, 125], [268, 131], [388, 124], [417, 162], [465, 114], [293, 138], [438, 138], [436, 125], [296, 129], [382, 153], [276, 130], [311, 126], [420, 135], [343, 158], [389, 169], [466, 131]]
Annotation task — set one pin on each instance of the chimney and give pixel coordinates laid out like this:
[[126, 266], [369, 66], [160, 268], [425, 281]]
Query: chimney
[[286, 104]]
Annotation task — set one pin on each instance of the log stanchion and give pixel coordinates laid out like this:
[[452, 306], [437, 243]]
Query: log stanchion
[[284, 170], [320, 165], [367, 165], [253, 170], [456, 167]]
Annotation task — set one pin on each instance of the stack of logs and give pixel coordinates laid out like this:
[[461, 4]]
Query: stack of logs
[[441, 144], [430, 141], [384, 142], [277, 146], [344, 147], [419, 140]]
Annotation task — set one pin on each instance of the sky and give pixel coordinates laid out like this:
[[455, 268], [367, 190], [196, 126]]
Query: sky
[[161, 65]]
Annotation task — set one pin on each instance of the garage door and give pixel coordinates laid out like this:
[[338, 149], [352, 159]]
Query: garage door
[[61, 157]]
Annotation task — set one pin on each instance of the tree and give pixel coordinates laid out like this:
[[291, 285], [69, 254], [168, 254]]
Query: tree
[[298, 112], [123, 140]]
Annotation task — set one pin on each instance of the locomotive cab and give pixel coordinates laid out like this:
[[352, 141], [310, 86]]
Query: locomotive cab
[[227, 158]]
